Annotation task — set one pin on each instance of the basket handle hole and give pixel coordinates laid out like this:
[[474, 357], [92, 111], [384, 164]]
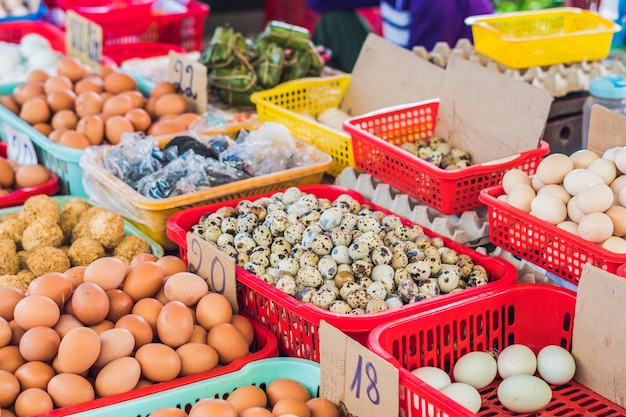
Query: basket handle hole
[[565, 133]]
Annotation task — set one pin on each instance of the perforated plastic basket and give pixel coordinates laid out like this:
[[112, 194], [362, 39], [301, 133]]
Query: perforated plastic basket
[[260, 373], [532, 314], [545, 37], [542, 243], [173, 392], [292, 103], [295, 323], [376, 140]]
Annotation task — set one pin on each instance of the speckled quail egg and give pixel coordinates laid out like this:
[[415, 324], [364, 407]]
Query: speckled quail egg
[[322, 245], [262, 235], [401, 275], [449, 277], [294, 232], [407, 290], [415, 254], [347, 288], [276, 257], [242, 259], [410, 147], [323, 204], [310, 200], [296, 252], [280, 244], [393, 301], [226, 211], [225, 239], [229, 250], [269, 278], [381, 255], [419, 271], [260, 257], [287, 284], [331, 218], [278, 225], [340, 236], [399, 260], [358, 298], [309, 276], [349, 220], [330, 285], [244, 242], [340, 306], [306, 294], [349, 202], [377, 290], [429, 287], [212, 219], [340, 254], [258, 210], [275, 205], [368, 224], [327, 267], [466, 267], [448, 256], [358, 250], [323, 298], [309, 258], [198, 229], [344, 268], [254, 268], [229, 225], [384, 273], [435, 158], [361, 268], [478, 277], [291, 195], [289, 266], [341, 277], [376, 305], [247, 222], [296, 210], [243, 207], [308, 236]]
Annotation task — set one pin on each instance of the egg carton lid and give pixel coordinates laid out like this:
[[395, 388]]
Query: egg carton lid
[[470, 228]]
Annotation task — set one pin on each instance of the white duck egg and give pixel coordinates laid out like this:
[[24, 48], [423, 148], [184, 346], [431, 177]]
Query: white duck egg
[[521, 197], [31, 43], [605, 168], [45, 59], [578, 179], [569, 226], [11, 58], [595, 227], [464, 394], [596, 197], [433, 376], [615, 244], [618, 183], [555, 190], [524, 393], [583, 157], [536, 183], [555, 365], [573, 212], [553, 168], [611, 152], [516, 359], [477, 369], [548, 208], [620, 159], [513, 177]]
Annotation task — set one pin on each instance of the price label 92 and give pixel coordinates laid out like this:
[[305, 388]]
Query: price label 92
[[19, 146]]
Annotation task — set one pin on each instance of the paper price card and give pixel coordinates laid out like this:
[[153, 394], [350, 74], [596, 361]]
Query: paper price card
[[362, 383], [217, 268], [19, 146], [83, 39], [190, 79]]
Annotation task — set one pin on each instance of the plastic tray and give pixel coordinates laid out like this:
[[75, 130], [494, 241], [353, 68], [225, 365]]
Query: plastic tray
[[158, 395], [17, 197], [539, 38], [296, 323], [150, 214], [140, 23], [376, 138], [62, 160], [287, 102], [260, 373], [532, 314], [542, 243], [121, 52]]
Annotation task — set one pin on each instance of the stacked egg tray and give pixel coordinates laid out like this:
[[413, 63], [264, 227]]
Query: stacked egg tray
[[296, 323], [487, 322], [559, 79]]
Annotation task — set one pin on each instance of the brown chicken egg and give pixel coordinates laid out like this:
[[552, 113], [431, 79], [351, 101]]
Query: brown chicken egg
[[7, 174], [118, 82], [10, 103], [54, 285], [88, 102], [168, 412], [61, 100], [115, 127], [247, 396], [67, 389], [139, 118], [161, 88], [196, 358], [139, 327], [57, 83], [165, 127], [78, 350], [90, 303], [149, 309], [159, 362], [92, 127], [35, 110], [33, 401], [228, 341], [118, 376], [73, 139], [121, 304], [66, 323], [212, 407], [27, 176], [34, 374], [117, 104], [213, 309], [36, 310], [115, 343], [55, 135], [144, 280], [39, 343], [171, 103], [137, 99], [10, 357], [108, 272], [64, 119], [286, 388], [43, 128], [26, 91], [89, 83], [71, 67], [37, 75], [5, 332], [291, 406]]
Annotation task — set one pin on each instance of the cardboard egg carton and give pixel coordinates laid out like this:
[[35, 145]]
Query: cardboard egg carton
[[470, 228], [559, 79]]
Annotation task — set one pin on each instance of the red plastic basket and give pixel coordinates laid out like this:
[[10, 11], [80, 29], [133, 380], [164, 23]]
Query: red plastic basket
[[532, 314], [140, 25], [121, 52], [621, 270], [542, 243], [264, 346], [295, 323], [18, 197], [376, 138], [14, 31], [92, 8]]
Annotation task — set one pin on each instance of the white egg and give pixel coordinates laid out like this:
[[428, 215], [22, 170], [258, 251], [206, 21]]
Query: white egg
[[433, 376], [477, 369], [11, 58], [595, 227], [536, 183], [620, 159], [618, 183], [605, 168], [31, 43], [555, 190], [611, 152], [573, 212], [464, 394], [524, 393], [513, 177], [596, 197], [521, 197], [569, 226], [583, 157], [553, 168], [615, 244], [43, 59], [548, 208], [516, 359], [576, 180], [621, 197], [555, 365]]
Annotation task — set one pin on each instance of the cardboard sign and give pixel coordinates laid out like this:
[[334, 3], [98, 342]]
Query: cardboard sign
[[387, 75], [598, 333], [217, 268], [354, 377], [83, 39], [606, 129], [19, 146], [489, 114], [190, 78]]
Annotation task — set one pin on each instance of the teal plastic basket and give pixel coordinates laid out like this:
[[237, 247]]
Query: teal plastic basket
[[129, 229], [259, 373]]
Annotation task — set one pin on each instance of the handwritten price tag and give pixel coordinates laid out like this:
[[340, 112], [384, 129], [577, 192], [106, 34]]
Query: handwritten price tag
[[19, 146], [354, 376], [217, 268], [83, 39], [190, 79]]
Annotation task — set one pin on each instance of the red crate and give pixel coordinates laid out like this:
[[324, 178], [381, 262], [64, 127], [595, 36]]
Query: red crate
[[376, 138], [542, 243], [264, 346], [532, 314], [121, 52], [295, 323], [140, 24], [13, 31], [19, 196]]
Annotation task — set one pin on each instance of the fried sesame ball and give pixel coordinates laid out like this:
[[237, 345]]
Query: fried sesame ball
[[13, 281], [13, 229], [47, 259], [9, 216], [84, 251], [7, 244], [107, 228], [9, 263], [131, 246], [40, 206], [71, 211], [26, 276], [42, 232]]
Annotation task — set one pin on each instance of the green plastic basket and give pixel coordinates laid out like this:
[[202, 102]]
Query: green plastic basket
[[259, 373], [129, 229]]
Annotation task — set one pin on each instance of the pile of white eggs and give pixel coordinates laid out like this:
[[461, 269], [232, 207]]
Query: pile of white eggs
[[526, 377], [33, 52], [583, 193]]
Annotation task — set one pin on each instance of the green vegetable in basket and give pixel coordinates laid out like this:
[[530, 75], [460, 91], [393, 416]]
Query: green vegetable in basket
[[270, 66], [220, 50], [286, 35]]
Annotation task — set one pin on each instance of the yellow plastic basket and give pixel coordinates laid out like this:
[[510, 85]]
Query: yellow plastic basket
[[546, 37], [293, 103]]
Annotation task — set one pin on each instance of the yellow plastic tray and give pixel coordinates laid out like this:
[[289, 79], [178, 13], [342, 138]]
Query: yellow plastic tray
[[546, 37], [150, 215], [289, 104]]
